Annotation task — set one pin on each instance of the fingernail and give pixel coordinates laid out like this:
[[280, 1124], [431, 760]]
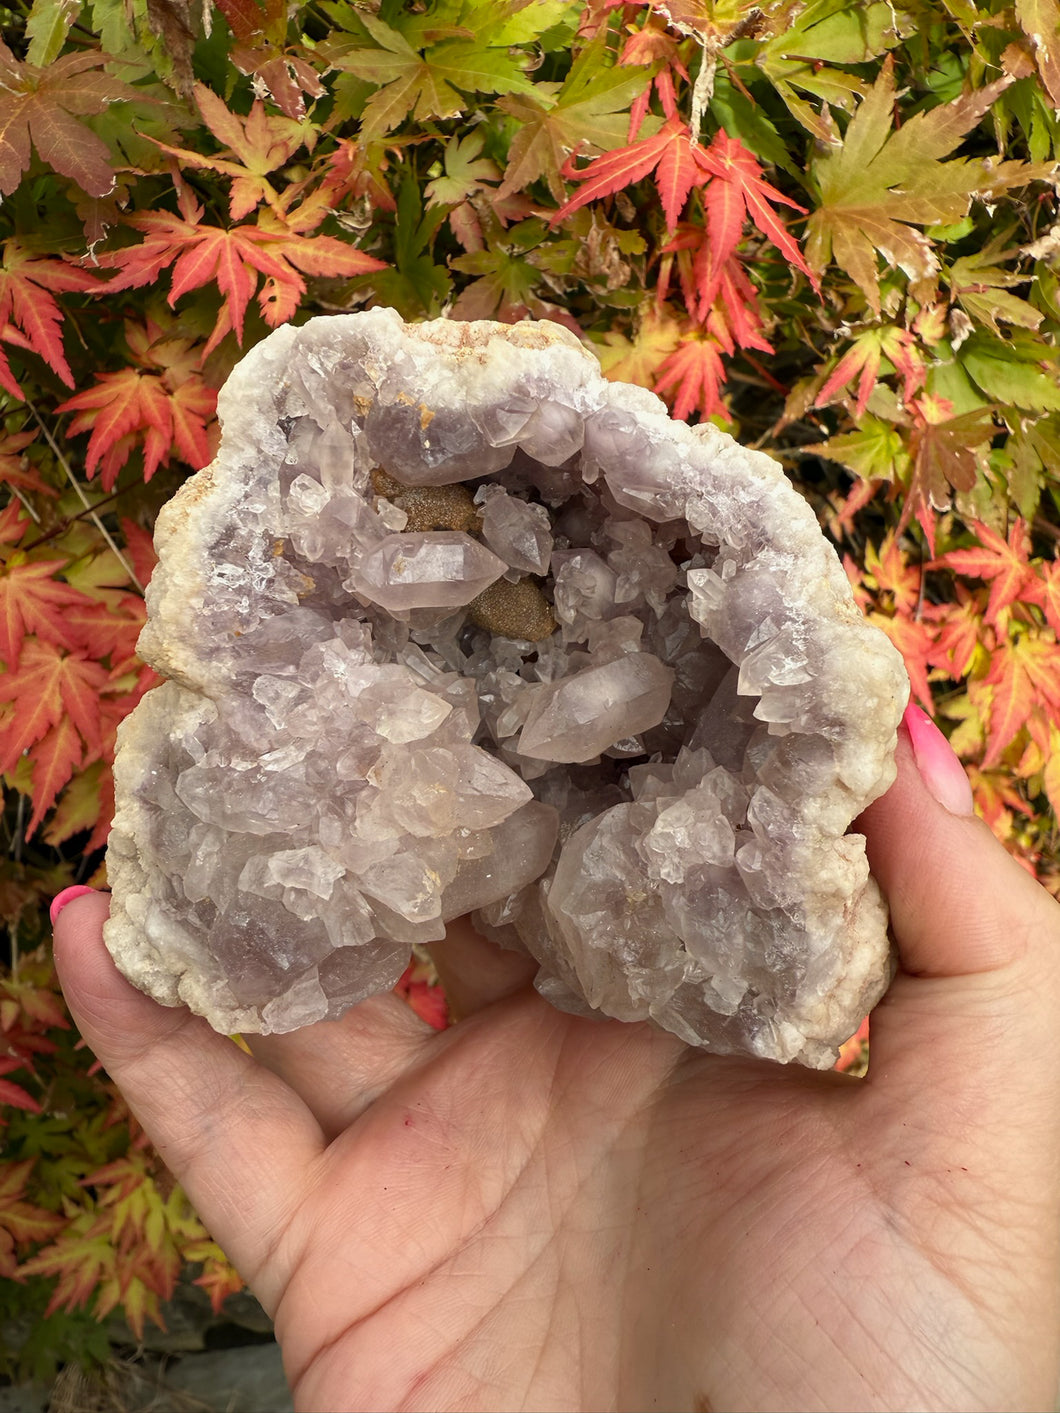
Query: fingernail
[[939, 767], [67, 896]]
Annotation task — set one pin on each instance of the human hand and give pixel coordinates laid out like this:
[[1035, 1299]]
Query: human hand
[[536, 1211]]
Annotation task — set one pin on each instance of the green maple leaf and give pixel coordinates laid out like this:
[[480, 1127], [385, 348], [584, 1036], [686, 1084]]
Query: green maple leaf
[[590, 110], [428, 83], [980, 284], [875, 452], [466, 171], [1021, 371], [879, 183]]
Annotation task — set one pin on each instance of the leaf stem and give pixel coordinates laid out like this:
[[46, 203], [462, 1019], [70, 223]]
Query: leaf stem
[[89, 509]]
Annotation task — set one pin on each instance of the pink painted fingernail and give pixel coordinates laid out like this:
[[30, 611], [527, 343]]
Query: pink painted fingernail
[[67, 896], [939, 767]]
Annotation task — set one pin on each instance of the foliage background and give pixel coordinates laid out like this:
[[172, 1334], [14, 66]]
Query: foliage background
[[833, 228]]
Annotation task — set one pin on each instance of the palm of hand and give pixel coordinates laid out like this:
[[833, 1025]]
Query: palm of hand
[[542, 1212]]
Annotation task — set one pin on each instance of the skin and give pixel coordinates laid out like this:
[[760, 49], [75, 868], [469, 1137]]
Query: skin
[[531, 1211]]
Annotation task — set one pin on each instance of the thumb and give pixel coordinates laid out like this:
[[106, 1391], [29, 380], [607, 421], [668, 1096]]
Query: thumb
[[978, 939], [960, 904]]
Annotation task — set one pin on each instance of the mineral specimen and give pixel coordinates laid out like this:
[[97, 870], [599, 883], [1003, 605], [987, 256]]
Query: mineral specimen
[[453, 624]]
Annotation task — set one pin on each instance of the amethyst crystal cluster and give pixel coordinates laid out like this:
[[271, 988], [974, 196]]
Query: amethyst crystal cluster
[[454, 625]]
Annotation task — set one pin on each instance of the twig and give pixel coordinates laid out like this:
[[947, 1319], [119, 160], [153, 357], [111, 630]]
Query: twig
[[24, 503], [84, 499]]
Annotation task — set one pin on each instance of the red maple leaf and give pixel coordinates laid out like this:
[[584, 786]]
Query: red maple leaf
[[233, 260], [958, 633], [14, 1094], [670, 155], [1004, 562], [29, 316], [653, 46], [734, 192], [33, 602]]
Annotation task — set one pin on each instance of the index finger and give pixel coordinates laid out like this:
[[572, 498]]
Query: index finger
[[238, 1139]]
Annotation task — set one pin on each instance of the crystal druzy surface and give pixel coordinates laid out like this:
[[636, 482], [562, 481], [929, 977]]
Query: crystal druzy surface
[[454, 625]]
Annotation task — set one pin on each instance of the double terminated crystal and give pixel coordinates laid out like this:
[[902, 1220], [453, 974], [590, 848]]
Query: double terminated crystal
[[454, 625]]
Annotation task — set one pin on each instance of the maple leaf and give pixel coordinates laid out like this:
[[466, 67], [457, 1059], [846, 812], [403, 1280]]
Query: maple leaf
[[131, 405], [55, 758], [863, 359], [946, 451], [80, 1258], [233, 260], [736, 194], [588, 111], [878, 184], [1045, 592], [696, 371], [958, 633], [999, 562], [27, 306], [637, 360], [429, 83], [42, 105], [48, 685], [653, 46], [260, 50], [1040, 22], [219, 1278], [670, 155], [15, 469], [875, 452], [33, 602], [260, 144], [1024, 671], [980, 287], [466, 172], [13, 1094], [21, 1223]]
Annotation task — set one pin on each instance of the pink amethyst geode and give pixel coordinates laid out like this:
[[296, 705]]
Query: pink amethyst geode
[[454, 625]]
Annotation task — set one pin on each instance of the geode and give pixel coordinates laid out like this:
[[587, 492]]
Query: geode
[[453, 625]]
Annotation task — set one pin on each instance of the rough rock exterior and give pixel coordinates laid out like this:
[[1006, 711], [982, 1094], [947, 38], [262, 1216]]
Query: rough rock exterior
[[453, 624]]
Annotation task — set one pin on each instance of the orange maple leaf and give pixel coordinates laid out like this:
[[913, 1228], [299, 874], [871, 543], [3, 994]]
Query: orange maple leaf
[[29, 316], [48, 685], [259, 142], [1024, 672], [130, 406], [233, 260], [21, 1223], [55, 758], [32, 602], [1004, 562], [697, 373], [1045, 592], [958, 633], [862, 361]]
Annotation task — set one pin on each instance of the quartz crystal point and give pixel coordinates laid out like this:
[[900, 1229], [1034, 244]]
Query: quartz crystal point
[[453, 624]]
